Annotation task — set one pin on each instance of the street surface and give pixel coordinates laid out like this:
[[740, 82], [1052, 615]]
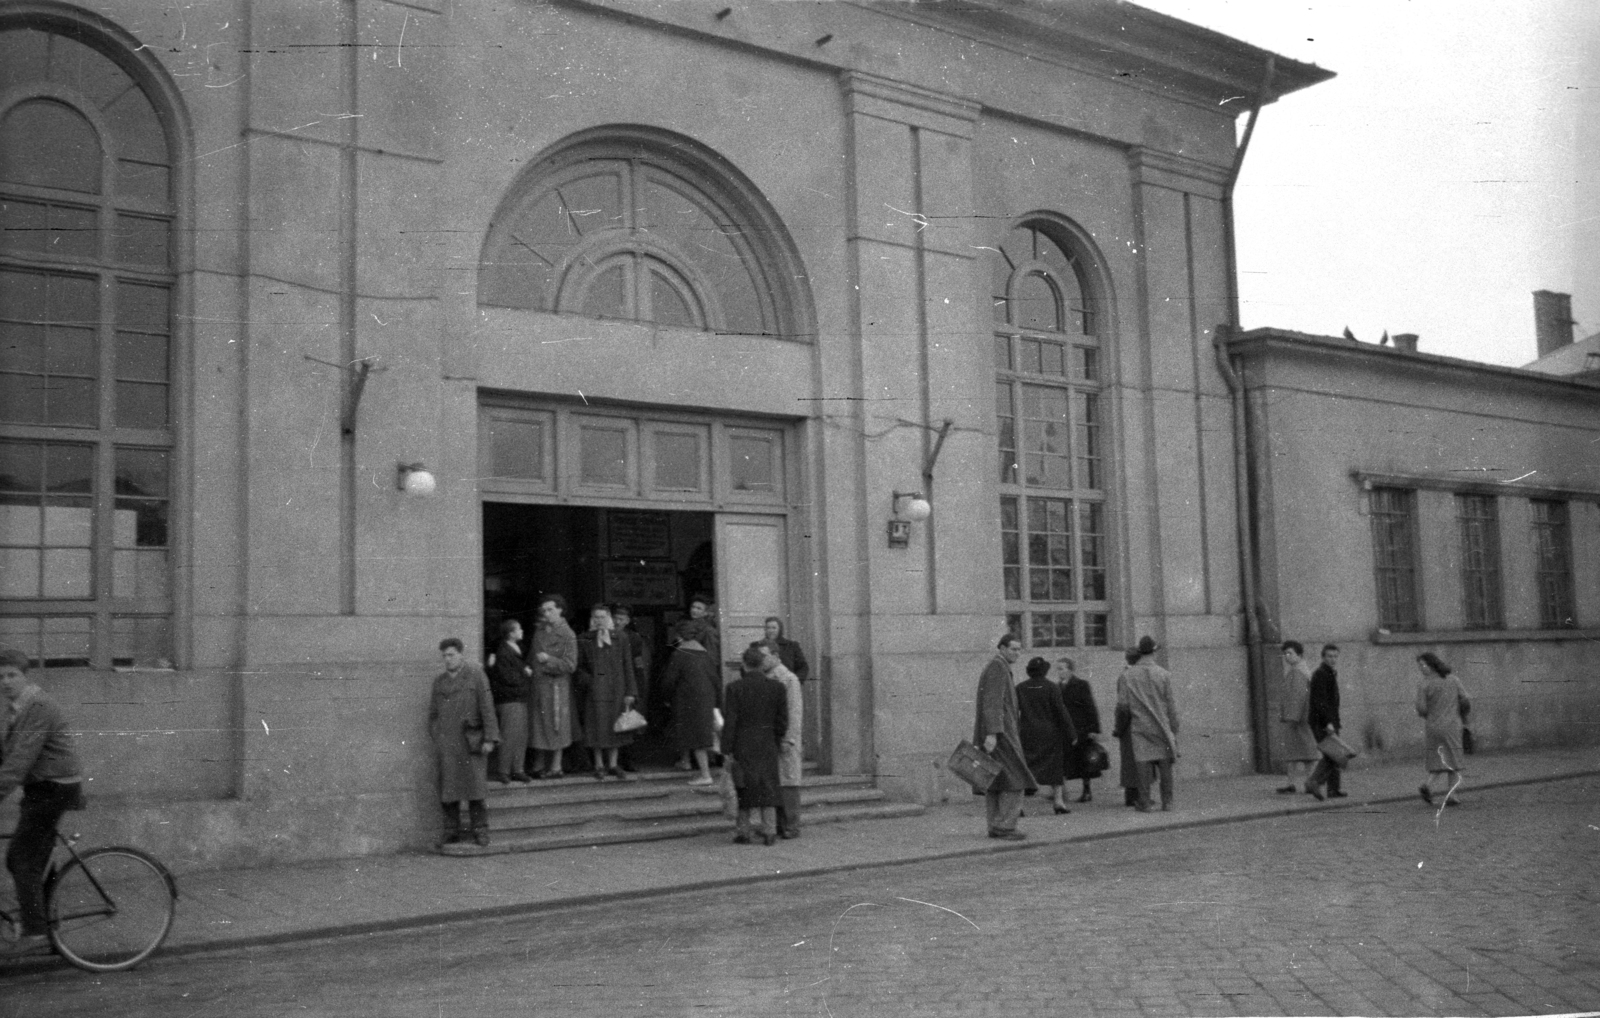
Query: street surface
[[1490, 909]]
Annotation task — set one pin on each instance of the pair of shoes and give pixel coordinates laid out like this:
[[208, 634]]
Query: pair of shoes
[[1287, 790], [599, 774], [701, 782], [1426, 793], [553, 775], [480, 838], [787, 835], [769, 840], [1008, 835], [522, 778], [1315, 791], [1062, 809], [1086, 797], [616, 772], [1142, 807], [1338, 795], [741, 839], [683, 765], [502, 779]]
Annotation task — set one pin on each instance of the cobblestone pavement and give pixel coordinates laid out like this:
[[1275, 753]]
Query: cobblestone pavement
[[1490, 909]]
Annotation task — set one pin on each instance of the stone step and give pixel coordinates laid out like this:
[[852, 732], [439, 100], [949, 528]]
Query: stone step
[[585, 788], [612, 833], [522, 815]]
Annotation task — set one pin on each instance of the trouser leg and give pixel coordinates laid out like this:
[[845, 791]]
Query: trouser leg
[[478, 811], [31, 844], [1319, 773], [1335, 778], [789, 812], [1164, 769], [514, 735], [741, 823], [1142, 774], [769, 821], [1002, 808], [452, 822]]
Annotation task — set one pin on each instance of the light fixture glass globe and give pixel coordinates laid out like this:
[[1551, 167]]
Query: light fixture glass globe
[[918, 510], [419, 482]]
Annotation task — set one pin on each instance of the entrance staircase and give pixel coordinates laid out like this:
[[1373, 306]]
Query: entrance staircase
[[579, 811]]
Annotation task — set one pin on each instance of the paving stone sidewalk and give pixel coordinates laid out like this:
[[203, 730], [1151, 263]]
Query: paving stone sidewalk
[[235, 908]]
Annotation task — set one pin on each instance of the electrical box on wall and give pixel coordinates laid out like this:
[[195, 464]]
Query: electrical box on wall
[[899, 533]]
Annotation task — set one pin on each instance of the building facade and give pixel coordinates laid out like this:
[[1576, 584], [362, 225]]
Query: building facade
[[663, 297]]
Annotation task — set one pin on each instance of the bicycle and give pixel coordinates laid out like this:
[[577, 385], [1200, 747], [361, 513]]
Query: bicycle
[[109, 908]]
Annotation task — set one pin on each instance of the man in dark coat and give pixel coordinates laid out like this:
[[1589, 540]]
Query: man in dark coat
[[995, 728], [756, 716], [1323, 716], [1079, 700]]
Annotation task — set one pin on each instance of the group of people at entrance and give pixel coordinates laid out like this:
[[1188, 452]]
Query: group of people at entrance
[[569, 690]]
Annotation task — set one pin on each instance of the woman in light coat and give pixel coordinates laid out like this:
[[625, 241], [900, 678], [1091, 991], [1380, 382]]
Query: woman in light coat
[[1441, 703]]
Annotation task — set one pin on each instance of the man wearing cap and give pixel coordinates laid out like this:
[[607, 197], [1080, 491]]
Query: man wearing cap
[[1145, 689], [996, 729], [36, 753]]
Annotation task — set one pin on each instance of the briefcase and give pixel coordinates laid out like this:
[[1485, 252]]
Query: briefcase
[[974, 766], [1336, 749]]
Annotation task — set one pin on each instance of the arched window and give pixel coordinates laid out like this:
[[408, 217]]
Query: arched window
[[86, 430], [1054, 556], [636, 227]]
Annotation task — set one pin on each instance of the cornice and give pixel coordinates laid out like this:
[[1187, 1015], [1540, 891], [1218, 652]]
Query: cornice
[[1178, 173], [876, 96]]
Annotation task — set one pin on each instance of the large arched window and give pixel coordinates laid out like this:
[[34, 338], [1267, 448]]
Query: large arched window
[[86, 429], [1048, 365], [633, 226]]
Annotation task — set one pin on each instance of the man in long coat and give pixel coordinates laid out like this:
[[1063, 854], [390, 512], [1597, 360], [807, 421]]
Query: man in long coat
[[1145, 689], [995, 728], [462, 724], [756, 714], [1323, 717], [791, 765], [555, 658]]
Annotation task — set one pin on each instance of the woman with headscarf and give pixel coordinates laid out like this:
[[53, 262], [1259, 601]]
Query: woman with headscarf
[[1046, 729], [605, 674], [692, 688], [1441, 703]]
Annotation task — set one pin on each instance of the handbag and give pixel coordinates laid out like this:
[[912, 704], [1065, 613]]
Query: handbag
[[629, 720], [974, 766], [1335, 749], [1096, 761], [474, 739]]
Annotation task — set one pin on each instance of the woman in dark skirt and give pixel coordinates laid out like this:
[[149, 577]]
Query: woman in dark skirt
[[1046, 729], [1079, 699], [692, 688]]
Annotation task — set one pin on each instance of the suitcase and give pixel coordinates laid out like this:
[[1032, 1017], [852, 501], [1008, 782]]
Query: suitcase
[[974, 766]]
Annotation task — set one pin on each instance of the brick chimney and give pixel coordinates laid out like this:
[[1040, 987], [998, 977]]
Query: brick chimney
[[1405, 342], [1552, 320]]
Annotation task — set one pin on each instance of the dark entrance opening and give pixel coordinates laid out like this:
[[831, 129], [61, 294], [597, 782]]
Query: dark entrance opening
[[651, 560]]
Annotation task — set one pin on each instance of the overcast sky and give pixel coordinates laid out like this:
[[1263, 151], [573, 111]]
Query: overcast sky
[[1435, 183]]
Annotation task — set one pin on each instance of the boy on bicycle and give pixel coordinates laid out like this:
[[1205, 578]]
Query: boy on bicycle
[[36, 752]]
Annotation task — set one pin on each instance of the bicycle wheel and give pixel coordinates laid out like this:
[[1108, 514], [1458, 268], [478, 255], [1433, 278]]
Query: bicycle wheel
[[110, 908]]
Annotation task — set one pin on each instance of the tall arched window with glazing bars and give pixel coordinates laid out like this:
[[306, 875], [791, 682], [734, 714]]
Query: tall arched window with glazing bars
[[1048, 376], [86, 358]]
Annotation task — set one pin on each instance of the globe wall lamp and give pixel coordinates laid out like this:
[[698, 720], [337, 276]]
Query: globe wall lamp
[[915, 510], [414, 479]]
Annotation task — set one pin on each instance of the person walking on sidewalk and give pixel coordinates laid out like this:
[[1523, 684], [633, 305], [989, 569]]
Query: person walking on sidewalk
[[1441, 703], [791, 767], [555, 658], [1145, 689], [38, 754], [1323, 717], [757, 718], [1121, 729], [995, 728], [1079, 701], [1048, 736], [1294, 709], [511, 683], [464, 729]]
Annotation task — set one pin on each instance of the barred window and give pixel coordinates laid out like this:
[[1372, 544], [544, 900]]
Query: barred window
[[1553, 566], [1394, 553], [86, 429], [1478, 524], [1052, 506]]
